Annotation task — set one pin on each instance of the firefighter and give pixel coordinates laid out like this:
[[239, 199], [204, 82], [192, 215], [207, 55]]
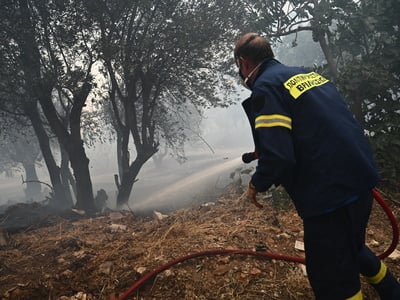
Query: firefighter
[[308, 141]]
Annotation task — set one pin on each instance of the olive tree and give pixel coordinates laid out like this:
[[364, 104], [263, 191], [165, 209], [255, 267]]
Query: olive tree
[[53, 43], [160, 57]]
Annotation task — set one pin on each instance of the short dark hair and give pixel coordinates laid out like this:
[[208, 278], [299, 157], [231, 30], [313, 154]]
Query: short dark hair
[[255, 48]]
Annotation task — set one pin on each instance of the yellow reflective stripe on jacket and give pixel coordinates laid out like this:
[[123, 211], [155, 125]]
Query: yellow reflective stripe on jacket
[[379, 276], [300, 83], [357, 296], [273, 121]]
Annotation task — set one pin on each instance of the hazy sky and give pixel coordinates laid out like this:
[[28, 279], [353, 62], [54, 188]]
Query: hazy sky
[[226, 130]]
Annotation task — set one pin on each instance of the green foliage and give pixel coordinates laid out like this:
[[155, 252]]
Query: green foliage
[[386, 147], [367, 45]]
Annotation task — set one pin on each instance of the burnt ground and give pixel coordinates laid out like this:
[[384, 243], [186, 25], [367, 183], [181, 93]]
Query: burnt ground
[[69, 256]]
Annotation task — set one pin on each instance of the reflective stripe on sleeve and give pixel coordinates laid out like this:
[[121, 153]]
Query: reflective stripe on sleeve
[[379, 276], [357, 296], [273, 121]]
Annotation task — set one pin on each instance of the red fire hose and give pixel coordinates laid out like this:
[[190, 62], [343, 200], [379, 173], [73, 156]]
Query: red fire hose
[[377, 196], [393, 223]]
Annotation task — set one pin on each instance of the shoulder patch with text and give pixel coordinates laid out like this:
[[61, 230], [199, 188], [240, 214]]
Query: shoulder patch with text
[[300, 83]]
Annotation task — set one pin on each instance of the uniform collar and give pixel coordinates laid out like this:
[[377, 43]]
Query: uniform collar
[[267, 63]]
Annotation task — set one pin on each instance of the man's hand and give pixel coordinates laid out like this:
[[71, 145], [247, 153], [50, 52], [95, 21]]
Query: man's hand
[[248, 157], [251, 194]]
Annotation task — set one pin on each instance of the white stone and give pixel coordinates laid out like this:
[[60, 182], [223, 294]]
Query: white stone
[[79, 212], [106, 267], [374, 243], [303, 269], [299, 245], [117, 227], [285, 235], [141, 270], [159, 216], [116, 216], [395, 255]]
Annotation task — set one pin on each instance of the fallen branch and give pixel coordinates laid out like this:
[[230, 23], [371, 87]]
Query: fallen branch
[[37, 181]]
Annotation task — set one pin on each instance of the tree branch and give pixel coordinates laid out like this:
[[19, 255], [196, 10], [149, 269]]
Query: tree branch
[[36, 181], [298, 29]]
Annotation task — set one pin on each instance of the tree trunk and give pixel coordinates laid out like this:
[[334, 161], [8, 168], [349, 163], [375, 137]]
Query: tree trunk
[[26, 153], [40, 87], [123, 155], [357, 106], [328, 56], [80, 166], [129, 177], [127, 181], [58, 199], [319, 33], [30, 59], [73, 145], [33, 191], [65, 176]]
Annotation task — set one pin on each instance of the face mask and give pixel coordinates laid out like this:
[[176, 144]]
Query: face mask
[[245, 80]]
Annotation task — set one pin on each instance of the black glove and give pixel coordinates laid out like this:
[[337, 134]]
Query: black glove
[[248, 157]]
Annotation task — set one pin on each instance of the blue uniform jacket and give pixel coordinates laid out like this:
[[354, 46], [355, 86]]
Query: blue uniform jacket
[[307, 140]]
